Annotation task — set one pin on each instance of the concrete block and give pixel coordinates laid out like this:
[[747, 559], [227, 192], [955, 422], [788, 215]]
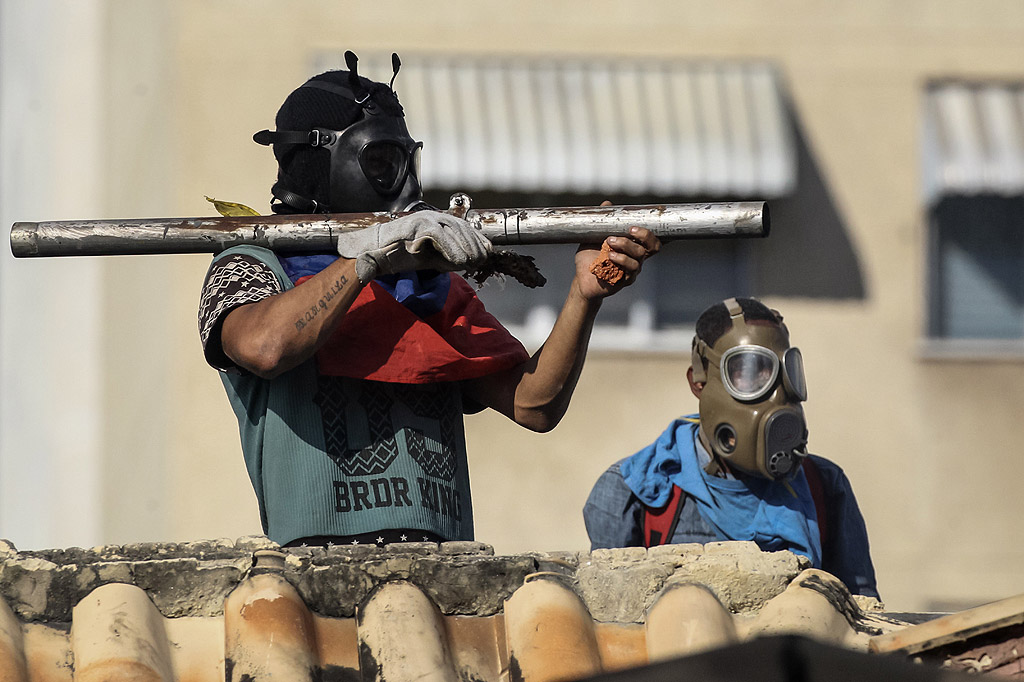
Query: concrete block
[[250, 543], [351, 552], [466, 547], [689, 549], [732, 547], [621, 590], [470, 585], [742, 580], [337, 589], [411, 548], [7, 549], [186, 587], [622, 555]]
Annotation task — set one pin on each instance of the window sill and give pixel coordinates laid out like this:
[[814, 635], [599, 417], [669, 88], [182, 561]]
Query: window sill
[[971, 350], [608, 338]]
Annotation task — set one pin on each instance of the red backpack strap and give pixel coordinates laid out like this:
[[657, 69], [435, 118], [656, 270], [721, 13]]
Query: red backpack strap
[[817, 486], [659, 524]]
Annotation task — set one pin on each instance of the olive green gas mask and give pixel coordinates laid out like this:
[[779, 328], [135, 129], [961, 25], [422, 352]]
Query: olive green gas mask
[[750, 414]]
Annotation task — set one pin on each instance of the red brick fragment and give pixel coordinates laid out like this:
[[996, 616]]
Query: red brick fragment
[[605, 270]]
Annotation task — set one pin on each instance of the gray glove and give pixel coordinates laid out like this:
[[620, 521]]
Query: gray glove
[[425, 240]]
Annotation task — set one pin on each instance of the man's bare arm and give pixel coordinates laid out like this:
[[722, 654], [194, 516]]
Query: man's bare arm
[[536, 394], [280, 332]]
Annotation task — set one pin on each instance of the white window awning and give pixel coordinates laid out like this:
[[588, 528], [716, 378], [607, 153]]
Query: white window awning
[[973, 139], [671, 128]]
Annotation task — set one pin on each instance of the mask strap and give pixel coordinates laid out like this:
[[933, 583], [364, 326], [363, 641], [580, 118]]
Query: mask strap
[[364, 100], [355, 91], [396, 64], [735, 311], [702, 350], [317, 137], [352, 62]]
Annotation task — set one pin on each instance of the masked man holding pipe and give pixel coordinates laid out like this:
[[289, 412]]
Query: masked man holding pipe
[[739, 470], [350, 372]]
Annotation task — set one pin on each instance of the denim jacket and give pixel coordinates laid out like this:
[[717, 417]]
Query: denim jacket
[[614, 518]]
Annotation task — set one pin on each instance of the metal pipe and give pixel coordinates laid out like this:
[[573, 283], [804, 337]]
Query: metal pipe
[[292, 233]]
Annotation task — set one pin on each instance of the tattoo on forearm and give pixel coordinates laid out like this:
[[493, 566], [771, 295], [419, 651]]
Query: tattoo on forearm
[[322, 304]]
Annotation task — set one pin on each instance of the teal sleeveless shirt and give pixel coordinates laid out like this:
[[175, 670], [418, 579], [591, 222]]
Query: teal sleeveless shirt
[[331, 455]]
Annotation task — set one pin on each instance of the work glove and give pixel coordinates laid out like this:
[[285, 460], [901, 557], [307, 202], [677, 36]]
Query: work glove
[[424, 240]]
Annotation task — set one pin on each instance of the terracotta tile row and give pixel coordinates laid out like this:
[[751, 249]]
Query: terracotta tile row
[[267, 632]]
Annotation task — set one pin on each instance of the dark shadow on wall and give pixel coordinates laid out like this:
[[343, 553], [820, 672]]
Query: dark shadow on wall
[[809, 253]]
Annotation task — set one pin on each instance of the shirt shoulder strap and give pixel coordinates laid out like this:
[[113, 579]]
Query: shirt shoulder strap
[[660, 524], [817, 486]]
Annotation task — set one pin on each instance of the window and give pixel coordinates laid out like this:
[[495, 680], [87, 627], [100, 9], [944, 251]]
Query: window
[[977, 268], [973, 171], [655, 313]]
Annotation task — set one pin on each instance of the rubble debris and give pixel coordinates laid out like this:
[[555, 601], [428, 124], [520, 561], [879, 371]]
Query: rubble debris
[[511, 263]]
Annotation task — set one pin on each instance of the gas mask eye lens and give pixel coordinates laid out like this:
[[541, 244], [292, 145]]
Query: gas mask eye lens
[[793, 374], [749, 372], [384, 164]]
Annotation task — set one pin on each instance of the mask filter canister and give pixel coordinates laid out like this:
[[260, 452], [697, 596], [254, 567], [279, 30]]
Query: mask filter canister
[[785, 436]]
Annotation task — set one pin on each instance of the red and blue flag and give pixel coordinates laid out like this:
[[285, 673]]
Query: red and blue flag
[[412, 328]]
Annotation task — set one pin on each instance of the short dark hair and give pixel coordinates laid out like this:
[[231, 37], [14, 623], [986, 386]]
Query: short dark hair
[[716, 321]]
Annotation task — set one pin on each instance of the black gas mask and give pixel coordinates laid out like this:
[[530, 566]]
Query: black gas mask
[[374, 162]]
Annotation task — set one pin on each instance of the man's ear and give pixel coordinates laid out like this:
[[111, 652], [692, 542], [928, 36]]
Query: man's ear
[[696, 387]]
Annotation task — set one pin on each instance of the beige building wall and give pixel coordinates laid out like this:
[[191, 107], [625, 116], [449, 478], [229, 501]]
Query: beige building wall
[[932, 447]]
